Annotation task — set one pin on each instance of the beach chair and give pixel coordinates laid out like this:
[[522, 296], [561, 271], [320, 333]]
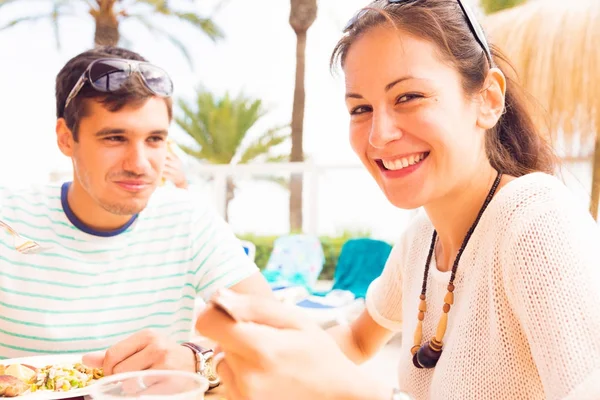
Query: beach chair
[[360, 262], [294, 266]]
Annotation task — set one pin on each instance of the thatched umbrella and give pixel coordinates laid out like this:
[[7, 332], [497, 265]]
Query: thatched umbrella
[[555, 48]]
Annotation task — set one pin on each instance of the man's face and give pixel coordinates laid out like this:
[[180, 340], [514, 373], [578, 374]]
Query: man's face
[[119, 156]]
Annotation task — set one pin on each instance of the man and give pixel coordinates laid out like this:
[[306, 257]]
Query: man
[[121, 268]]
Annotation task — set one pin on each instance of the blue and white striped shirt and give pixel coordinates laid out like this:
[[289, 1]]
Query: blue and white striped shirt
[[86, 292]]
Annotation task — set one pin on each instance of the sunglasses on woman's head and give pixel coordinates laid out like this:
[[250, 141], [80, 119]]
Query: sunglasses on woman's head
[[108, 75], [469, 16]]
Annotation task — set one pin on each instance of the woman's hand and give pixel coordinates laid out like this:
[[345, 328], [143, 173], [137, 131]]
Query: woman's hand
[[273, 351], [173, 171]]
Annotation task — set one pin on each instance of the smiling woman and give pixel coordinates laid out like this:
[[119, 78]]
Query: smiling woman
[[484, 282]]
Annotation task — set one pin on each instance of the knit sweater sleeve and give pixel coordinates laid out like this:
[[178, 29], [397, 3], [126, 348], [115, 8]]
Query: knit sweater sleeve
[[385, 295], [551, 271]]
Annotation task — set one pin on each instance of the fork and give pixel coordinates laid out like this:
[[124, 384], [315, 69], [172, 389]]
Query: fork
[[21, 243]]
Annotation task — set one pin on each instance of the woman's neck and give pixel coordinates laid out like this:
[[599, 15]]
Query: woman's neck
[[453, 214]]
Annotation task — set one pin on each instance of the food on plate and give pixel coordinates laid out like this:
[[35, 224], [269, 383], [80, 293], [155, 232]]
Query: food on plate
[[20, 372], [11, 386], [65, 377], [18, 379]]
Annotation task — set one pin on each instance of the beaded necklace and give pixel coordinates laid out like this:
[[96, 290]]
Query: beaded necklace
[[427, 355]]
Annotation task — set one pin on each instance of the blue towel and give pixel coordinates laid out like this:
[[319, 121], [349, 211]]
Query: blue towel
[[361, 261]]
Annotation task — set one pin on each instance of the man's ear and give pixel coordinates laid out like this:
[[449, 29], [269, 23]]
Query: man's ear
[[64, 137], [492, 99]]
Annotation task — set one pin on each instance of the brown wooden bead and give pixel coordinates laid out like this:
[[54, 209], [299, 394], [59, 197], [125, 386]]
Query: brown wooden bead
[[414, 350], [421, 316], [446, 308], [451, 287], [422, 297], [422, 306], [435, 345]]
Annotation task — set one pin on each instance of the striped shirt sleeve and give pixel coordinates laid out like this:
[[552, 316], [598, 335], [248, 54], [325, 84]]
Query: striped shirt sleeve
[[217, 255]]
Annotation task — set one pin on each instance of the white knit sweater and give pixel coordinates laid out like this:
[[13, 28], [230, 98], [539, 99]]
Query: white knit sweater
[[525, 323]]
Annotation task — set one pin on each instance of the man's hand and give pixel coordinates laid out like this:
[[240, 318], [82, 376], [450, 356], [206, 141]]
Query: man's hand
[[141, 351]]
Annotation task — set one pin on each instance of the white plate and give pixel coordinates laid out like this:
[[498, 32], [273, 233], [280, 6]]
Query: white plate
[[42, 361]]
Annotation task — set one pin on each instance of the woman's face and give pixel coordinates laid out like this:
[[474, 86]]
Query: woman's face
[[411, 123]]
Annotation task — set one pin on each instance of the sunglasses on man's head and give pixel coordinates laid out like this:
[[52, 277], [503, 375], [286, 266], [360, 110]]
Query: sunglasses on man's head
[[108, 75], [469, 16]]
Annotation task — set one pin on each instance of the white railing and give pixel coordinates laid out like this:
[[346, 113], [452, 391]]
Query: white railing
[[330, 204]]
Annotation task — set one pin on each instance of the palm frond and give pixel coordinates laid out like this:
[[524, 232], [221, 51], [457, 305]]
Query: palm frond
[[54, 16], [219, 125], [189, 151], [264, 144], [278, 158], [156, 29], [28, 18], [7, 2], [206, 25], [59, 10], [492, 6]]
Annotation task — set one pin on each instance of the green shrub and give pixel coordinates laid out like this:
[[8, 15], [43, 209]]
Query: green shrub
[[332, 246]]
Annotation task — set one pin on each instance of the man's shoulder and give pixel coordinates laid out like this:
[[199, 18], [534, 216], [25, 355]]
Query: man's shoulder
[[30, 196]]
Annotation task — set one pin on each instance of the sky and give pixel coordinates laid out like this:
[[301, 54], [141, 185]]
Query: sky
[[257, 57]]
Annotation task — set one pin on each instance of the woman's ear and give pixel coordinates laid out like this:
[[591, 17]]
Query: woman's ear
[[492, 99]]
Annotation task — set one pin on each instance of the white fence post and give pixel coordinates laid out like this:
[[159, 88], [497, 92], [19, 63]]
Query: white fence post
[[312, 173], [220, 189]]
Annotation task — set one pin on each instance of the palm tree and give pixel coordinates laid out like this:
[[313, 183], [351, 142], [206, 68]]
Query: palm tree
[[219, 126], [108, 15], [554, 47], [302, 15], [491, 6]]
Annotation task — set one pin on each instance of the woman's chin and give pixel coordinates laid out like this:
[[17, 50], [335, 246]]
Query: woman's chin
[[406, 202]]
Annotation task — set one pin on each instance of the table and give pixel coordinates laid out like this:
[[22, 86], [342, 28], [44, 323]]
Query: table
[[215, 394]]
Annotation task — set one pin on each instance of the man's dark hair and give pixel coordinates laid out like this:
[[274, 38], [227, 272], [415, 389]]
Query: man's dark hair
[[134, 92]]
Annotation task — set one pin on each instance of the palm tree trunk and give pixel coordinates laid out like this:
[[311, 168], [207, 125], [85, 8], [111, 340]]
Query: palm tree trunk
[[107, 24], [297, 153], [596, 179]]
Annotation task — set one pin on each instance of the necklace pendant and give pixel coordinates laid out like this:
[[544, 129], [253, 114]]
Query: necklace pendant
[[428, 355]]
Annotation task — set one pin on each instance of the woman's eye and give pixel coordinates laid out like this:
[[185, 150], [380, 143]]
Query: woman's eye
[[360, 110], [408, 97]]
